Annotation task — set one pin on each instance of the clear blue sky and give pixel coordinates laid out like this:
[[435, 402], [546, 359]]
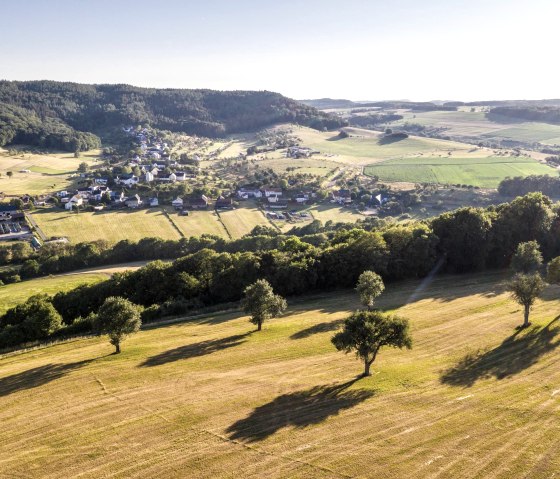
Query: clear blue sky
[[357, 49]]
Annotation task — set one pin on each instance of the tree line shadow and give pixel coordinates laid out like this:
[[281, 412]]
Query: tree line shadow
[[298, 409], [189, 351], [318, 328], [515, 354], [38, 376]]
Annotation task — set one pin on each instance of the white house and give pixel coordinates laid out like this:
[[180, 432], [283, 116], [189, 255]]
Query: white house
[[134, 202], [248, 192], [180, 175], [128, 180], [268, 192], [171, 178], [154, 201], [76, 200], [149, 177], [177, 203]]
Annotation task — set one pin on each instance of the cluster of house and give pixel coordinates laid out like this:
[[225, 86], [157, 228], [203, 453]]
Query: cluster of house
[[201, 202], [152, 148], [150, 173], [300, 152], [274, 196]]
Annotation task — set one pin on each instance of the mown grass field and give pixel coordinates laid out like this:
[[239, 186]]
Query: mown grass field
[[199, 223], [15, 293], [484, 172], [108, 225], [48, 173], [474, 398], [241, 221]]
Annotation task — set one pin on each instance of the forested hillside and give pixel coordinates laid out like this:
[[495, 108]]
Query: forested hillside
[[70, 115]]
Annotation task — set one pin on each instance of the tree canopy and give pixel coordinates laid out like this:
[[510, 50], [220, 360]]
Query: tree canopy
[[261, 302], [370, 286], [525, 289], [366, 332], [118, 318]]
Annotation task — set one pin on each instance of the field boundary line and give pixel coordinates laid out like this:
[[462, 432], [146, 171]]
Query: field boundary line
[[223, 224], [35, 226], [166, 214]]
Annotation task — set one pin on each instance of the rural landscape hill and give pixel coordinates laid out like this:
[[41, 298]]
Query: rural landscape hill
[[474, 398], [70, 115]]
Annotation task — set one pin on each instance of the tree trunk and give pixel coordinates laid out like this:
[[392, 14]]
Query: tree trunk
[[117, 348], [259, 325], [526, 316], [367, 364]]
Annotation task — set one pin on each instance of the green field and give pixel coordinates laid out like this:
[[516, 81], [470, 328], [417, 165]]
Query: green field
[[484, 172], [475, 124], [199, 223], [241, 221], [108, 225], [15, 293], [474, 398], [48, 172]]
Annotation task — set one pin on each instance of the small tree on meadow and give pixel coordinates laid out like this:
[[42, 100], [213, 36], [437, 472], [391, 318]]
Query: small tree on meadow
[[366, 332], [261, 302], [82, 167], [527, 258], [9, 174], [118, 318], [370, 286], [525, 289]]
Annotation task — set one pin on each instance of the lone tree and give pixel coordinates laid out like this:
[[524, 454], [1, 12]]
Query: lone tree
[[261, 302], [525, 289], [527, 258], [82, 167], [118, 317], [366, 332], [370, 286], [9, 174]]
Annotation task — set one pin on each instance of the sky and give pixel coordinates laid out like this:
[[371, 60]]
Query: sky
[[355, 49]]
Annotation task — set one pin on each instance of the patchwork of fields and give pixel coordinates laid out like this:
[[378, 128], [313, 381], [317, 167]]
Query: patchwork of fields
[[474, 398], [484, 172]]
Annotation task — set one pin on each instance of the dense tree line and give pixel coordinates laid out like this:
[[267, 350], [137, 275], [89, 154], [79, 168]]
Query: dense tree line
[[549, 185], [19, 125], [210, 271], [545, 114], [48, 113]]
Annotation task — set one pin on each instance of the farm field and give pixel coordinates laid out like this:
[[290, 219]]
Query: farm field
[[112, 226], [472, 124], [48, 173], [15, 293], [241, 221], [363, 146], [484, 172], [474, 398], [199, 223]]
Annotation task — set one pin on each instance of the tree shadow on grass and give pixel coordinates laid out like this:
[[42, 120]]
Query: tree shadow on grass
[[194, 350], [299, 409], [318, 328], [516, 353], [36, 377]]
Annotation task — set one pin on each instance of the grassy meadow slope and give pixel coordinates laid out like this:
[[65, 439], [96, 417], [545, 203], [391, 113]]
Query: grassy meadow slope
[[474, 398]]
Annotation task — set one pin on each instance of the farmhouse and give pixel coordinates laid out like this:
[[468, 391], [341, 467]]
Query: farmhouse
[[299, 152], [149, 177], [279, 205], [246, 192], [170, 178], [134, 202], [268, 192], [177, 203], [198, 203], [224, 203], [342, 197], [301, 198], [76, 201], [180, 176], [128, 180]]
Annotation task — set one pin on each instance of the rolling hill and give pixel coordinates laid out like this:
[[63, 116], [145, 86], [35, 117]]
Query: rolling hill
[[474, 398]]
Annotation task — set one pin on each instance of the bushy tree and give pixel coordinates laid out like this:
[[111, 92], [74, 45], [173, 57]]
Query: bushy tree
[[118, 318], [527, 258], [370, 286], [261, 302], [366, 332], [553, 271], [525, 289]]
